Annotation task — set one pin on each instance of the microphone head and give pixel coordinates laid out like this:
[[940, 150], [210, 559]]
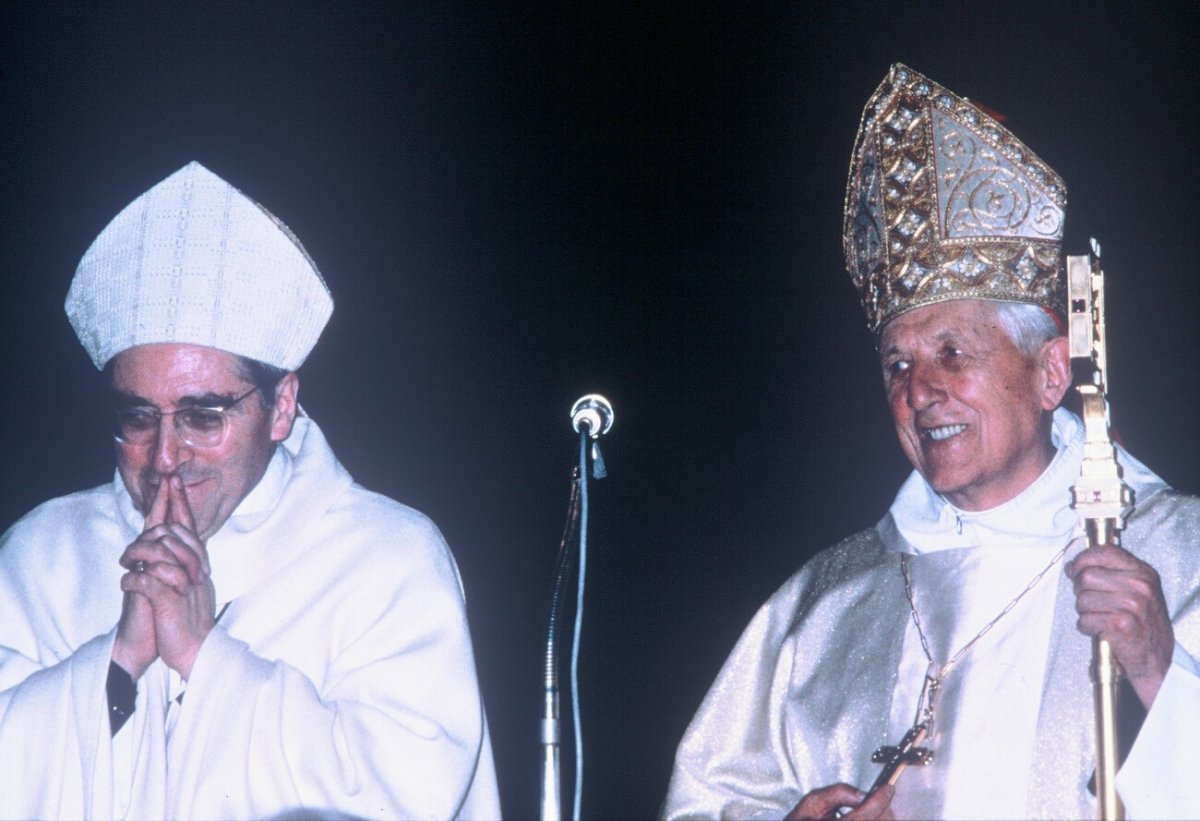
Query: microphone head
[[593, 411]]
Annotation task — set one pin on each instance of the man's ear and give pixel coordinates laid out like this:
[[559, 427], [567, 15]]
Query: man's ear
[[1056, 372], [283, 412]]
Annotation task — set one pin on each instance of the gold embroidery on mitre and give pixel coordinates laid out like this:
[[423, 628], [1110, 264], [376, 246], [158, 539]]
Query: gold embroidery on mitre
[[945, 203]]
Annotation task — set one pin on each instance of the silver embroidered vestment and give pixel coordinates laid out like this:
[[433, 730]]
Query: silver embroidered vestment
[[823, 675]]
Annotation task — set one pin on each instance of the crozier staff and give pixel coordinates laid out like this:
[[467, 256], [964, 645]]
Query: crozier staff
[[967, 610], [232, 628]]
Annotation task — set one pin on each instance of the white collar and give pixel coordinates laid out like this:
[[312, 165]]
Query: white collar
[[1041, 515]]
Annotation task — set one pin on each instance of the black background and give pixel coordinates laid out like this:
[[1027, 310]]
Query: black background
[[517, 204]]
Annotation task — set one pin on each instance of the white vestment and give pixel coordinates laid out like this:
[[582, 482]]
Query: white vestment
[[832, 666], [340, 678]]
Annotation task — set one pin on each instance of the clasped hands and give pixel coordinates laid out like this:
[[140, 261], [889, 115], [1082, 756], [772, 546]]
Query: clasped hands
[[169, 595]]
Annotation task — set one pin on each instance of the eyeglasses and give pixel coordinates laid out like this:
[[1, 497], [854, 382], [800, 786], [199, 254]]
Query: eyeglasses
[[198, 427]]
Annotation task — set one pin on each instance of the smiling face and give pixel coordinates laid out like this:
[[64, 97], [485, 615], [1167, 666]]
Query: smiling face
[[972, 411], [173, 376]]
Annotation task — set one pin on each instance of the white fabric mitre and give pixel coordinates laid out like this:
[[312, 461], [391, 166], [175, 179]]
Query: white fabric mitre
[[194, 260]]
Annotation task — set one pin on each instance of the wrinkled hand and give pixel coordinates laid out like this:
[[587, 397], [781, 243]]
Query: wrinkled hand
[[1119, 598], [826, 801], [175, 585]]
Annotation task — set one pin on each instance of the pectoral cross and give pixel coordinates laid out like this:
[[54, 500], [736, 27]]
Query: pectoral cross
[[895, 759]]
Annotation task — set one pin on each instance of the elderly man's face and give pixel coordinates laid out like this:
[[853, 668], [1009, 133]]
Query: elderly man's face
[[215, 479], [972, 411]]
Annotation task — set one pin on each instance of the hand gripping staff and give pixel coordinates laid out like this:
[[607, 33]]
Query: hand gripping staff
[[1100, 498]]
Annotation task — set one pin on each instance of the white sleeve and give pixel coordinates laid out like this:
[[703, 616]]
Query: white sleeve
[[733, 760], [1158, 780], [54, 737]]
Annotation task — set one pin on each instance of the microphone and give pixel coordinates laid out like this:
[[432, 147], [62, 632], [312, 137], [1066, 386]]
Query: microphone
[[594, 412]]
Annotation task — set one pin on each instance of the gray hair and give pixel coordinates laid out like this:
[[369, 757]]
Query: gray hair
[[1029, 326]]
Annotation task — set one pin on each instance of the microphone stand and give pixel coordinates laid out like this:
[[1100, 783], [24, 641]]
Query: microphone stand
[[551, 732], [591, 416]]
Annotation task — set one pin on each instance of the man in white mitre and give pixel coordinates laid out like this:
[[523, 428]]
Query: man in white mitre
[[232, 628], [971, 607]]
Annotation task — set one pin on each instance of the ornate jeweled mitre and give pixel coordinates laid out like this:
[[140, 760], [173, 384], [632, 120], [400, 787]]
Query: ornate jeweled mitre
[[945, 203]]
